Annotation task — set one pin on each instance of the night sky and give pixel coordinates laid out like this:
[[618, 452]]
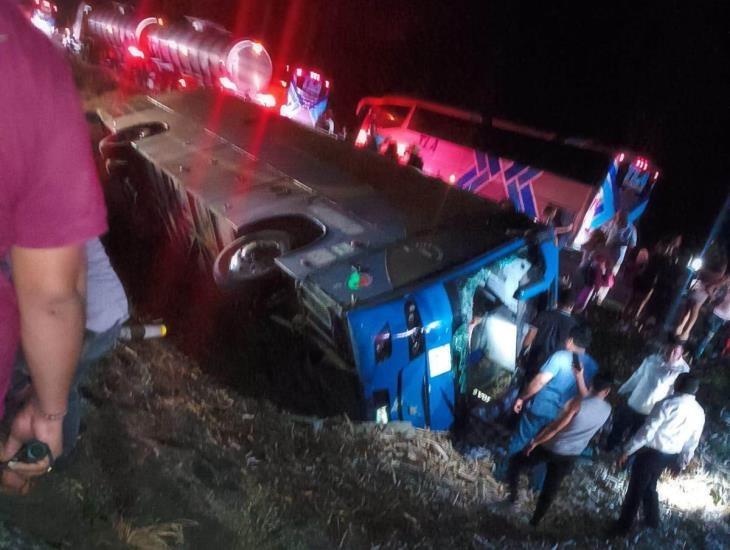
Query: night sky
[[651, 76]]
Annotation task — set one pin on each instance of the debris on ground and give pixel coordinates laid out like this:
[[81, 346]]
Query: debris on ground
[[172, 459]]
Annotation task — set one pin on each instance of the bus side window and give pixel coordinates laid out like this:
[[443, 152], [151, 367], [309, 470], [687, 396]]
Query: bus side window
[[390, 116], [442, 126]]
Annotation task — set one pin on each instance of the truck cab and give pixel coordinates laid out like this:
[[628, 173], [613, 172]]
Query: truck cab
[[381, 266]]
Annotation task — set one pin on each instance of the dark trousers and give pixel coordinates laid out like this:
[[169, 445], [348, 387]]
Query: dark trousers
[[558, 466], [648, 466], [626, 423]]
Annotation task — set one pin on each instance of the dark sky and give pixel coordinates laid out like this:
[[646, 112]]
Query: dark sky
[[651, 76]]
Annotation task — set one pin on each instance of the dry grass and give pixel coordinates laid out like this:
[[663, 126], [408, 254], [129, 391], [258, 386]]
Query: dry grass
[[159, 536]]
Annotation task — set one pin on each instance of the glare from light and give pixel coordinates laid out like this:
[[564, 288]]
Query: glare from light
[[183, 50], [695, 264], [257, 48], [439, 360], [381, 415], [182, 82], [452, 178], [501, 341], [401, 149], [362, 138], [692, 493], [134, 51], [267, 100], [42, 24], [227, 83]]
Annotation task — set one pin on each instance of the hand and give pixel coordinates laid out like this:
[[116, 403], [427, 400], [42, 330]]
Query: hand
[[530, 447], [29, 424], [622, 460], [517, 407]]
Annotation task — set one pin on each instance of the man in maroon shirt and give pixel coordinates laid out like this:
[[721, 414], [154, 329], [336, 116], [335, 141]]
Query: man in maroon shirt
[[50, 204]]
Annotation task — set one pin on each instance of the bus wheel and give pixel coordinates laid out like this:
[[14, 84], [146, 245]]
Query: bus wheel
[[250, 259]]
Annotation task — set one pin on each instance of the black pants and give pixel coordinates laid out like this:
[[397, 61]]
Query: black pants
[[558, 466], [626, 423], [648, 466]]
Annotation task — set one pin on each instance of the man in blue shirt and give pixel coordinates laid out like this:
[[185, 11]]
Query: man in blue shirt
[[561, 378]]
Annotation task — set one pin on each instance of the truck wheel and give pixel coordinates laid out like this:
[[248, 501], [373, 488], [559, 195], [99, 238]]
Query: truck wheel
[[119, 143], [250, 259]]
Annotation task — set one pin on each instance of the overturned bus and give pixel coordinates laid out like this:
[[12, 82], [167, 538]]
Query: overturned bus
[[380, 265]]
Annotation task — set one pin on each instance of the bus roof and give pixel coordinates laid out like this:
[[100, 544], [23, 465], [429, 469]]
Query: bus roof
[[406, 101]]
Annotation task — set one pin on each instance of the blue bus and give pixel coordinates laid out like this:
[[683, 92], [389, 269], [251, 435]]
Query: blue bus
[[381, 265]]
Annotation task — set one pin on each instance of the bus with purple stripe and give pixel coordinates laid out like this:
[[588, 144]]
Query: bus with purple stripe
[[586, 182]]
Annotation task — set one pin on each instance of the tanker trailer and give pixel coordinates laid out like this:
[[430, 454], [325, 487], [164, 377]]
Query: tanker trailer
[[111, 35], [209, 55]]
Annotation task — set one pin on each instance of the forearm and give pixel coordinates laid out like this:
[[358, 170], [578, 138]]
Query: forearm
[[52, 331], [545, 435], [532, 388]]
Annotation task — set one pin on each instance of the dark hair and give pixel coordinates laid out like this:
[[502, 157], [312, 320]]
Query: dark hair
[[601, 381], [566, 297], [581, 335], [686, 383]]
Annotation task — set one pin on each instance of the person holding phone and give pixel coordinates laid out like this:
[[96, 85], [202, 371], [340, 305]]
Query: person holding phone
[[50, 204], [559, 444], [552, 387]]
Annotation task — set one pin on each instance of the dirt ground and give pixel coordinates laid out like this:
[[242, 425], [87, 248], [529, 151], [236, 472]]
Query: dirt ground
[[238, 448]]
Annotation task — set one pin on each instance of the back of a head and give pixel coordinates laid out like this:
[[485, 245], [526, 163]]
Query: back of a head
[[686, 383], [566, 298], [581, 336], [601, 382]]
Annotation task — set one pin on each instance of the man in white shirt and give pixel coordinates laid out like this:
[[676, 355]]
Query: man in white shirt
[[649, 384], [718, 319], [667, 439]]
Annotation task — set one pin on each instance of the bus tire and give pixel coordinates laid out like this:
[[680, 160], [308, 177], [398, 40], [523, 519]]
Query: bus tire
[[250, 259]]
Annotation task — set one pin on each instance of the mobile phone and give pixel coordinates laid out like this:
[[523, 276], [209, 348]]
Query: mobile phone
[[31, 452], [576, 363]]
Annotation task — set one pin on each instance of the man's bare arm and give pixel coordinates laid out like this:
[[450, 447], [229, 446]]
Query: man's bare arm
[[50, 285], [536, 385], [559, 424]]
